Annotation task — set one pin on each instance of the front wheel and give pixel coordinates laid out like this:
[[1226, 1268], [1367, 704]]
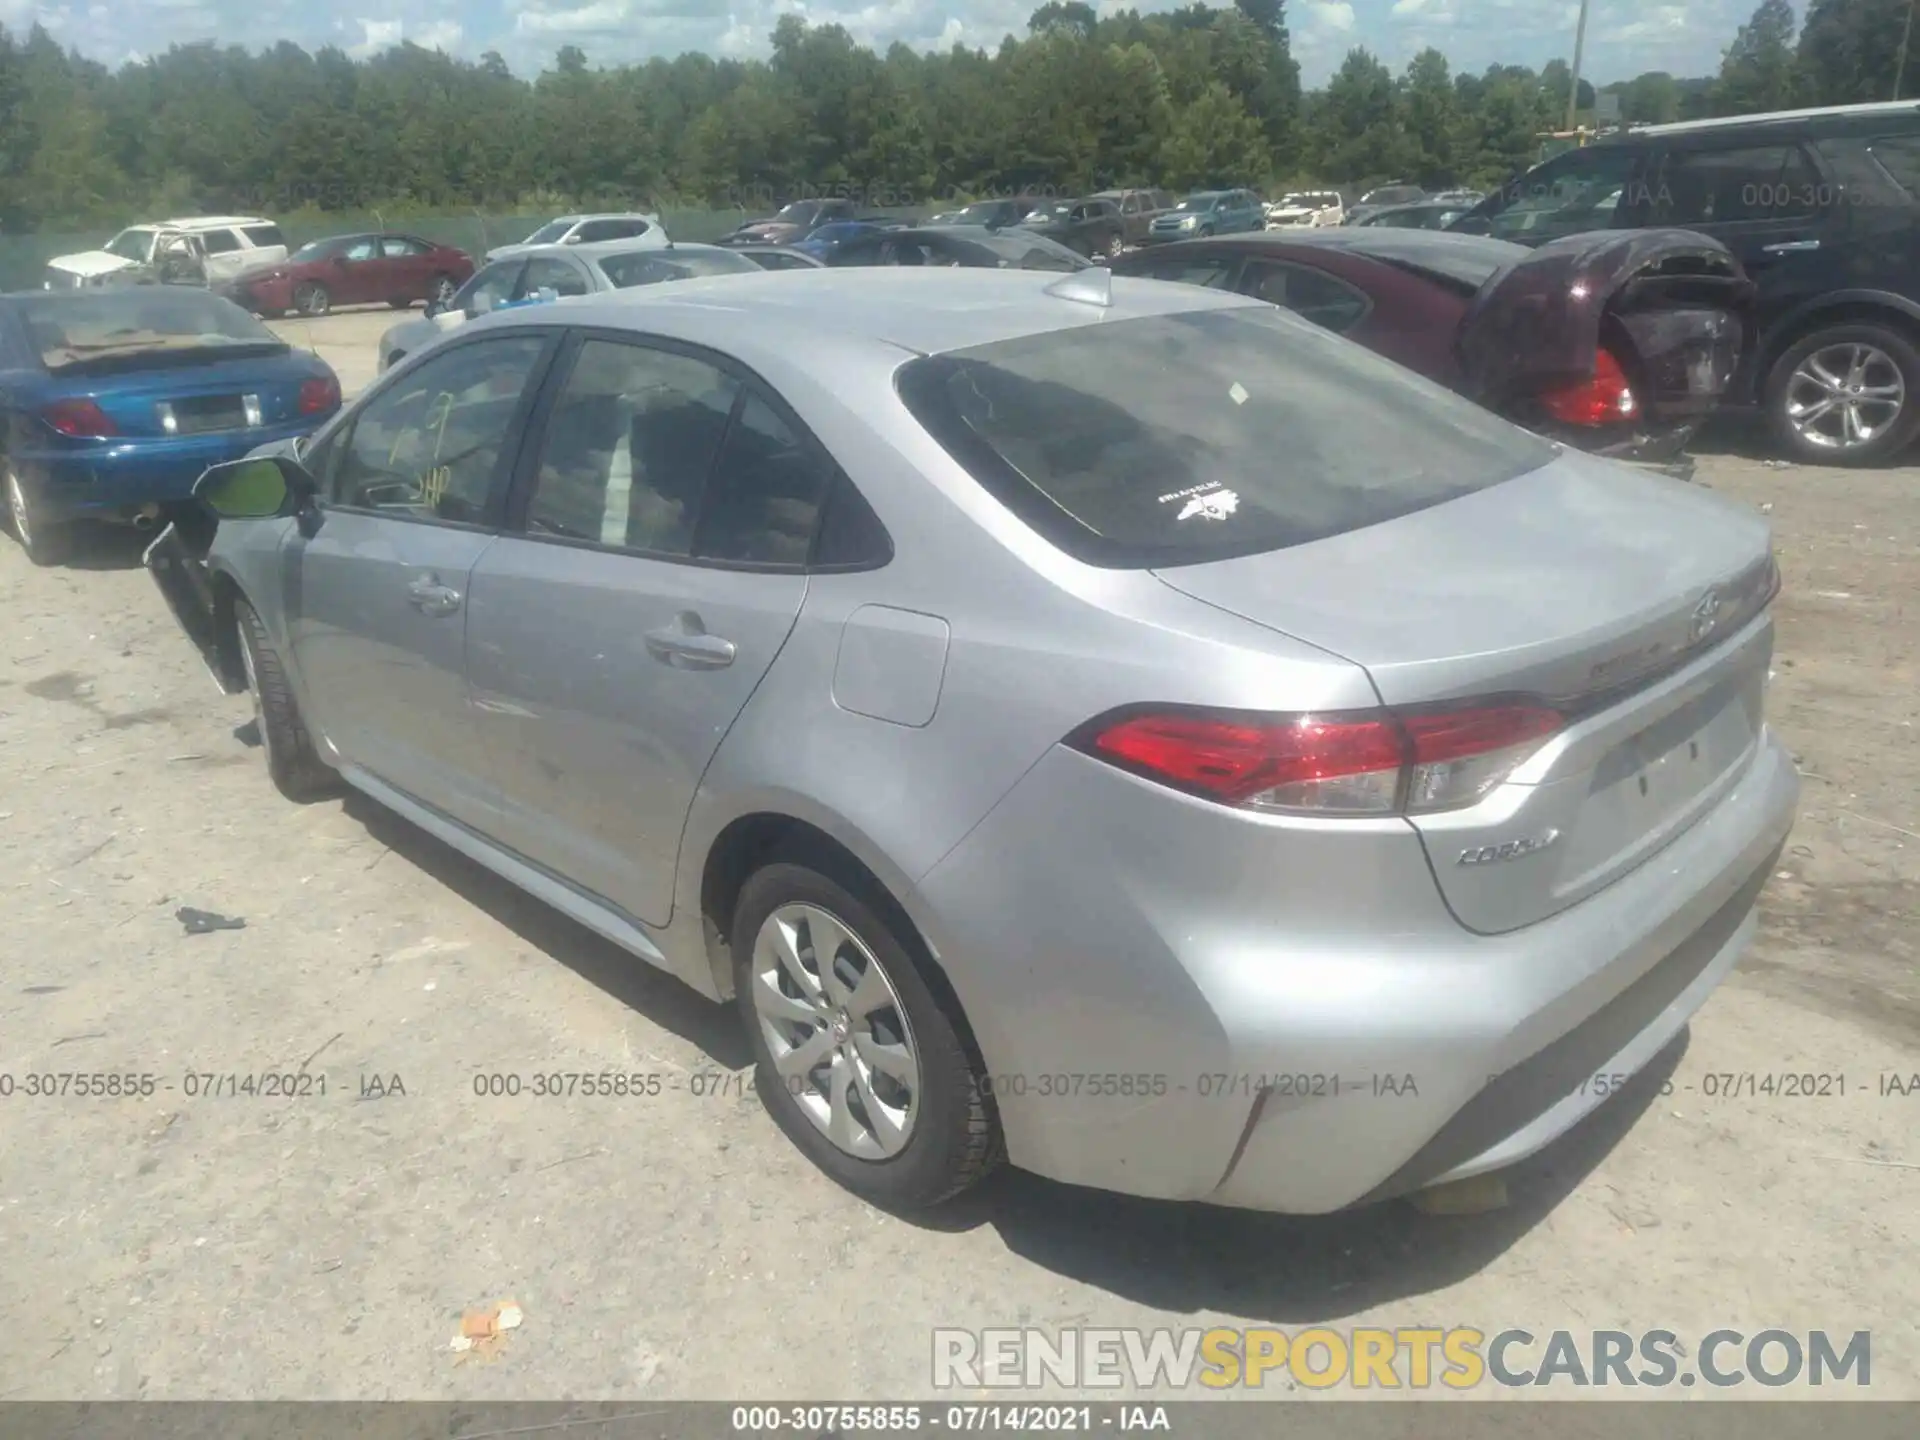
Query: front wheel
[[858, 1061], [298, 771], [1848, 395], [312, 299], [44, 542]]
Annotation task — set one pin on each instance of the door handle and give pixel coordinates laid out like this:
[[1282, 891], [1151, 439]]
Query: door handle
[[427, 594], [1790, 247], [687, 647]]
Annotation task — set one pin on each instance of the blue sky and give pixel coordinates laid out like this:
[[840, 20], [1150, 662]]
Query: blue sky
[[1624, 37]]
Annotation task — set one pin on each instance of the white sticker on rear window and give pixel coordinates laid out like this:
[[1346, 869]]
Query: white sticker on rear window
[[1238, 394], [1215, 505]]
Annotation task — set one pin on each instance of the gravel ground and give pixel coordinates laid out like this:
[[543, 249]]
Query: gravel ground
[[324, 1247]]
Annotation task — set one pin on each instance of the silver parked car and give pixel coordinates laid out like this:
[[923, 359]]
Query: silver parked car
[[1111, 724], [552, 272]]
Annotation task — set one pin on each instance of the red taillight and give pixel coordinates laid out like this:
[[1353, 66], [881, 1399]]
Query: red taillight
[[1606, 399], [319, 395], [80, 418], [1370, 763]]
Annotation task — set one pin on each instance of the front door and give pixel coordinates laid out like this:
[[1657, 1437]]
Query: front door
[[413, 488], [613, 637]]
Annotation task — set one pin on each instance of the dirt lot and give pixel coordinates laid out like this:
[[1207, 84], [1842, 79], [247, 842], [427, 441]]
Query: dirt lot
[[324, 1247]]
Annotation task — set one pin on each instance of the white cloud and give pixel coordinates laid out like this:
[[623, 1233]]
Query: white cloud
[[438, 35], [1408, 7], [376, 35], [601, 15], [1333, 14]]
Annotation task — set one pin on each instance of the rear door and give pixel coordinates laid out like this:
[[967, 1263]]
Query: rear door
[[408, 263], [360, 276], [1766, 199], [413, 486], [655, 566]]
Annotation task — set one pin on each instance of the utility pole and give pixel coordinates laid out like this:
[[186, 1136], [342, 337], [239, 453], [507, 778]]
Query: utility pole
[[1906, 34], [1579, 53]]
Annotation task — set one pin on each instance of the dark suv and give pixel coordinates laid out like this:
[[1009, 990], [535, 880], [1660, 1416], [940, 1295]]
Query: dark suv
[[1822, 207]]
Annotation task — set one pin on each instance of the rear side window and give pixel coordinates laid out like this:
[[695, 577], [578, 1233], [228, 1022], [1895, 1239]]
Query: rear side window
[[763, 503], [1311, 294], [1721, 187], [1212, 271], [1179, 439], [219, 242], [263, 236]]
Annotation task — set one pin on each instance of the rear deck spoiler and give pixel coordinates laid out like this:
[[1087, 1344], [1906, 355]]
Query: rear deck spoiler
[[1682, 298]]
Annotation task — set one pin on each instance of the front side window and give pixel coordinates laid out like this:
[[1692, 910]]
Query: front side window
[[549, 233], [490, 287], [1575, 192], [429, 446], [365, 248], [1180, 439], [134, 245], [628, 448], [547, 273]]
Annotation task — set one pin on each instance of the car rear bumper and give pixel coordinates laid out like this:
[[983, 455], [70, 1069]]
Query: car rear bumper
[[111, 480], [1177, 1001]]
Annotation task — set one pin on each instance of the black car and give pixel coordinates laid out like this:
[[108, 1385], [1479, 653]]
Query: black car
[[970, 246], [1089, 227], [1822, 208], [1381, 198]]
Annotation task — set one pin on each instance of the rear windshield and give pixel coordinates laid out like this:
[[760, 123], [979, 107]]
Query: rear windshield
[[72, 330], [649, 267], [1185, 438]]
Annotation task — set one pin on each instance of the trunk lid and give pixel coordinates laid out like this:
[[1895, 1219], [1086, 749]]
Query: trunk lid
[[174, 397], [1674, 306], [1630, 602]]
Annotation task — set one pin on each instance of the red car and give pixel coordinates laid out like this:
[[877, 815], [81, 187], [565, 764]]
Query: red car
[[388, 269], [1618, 342]]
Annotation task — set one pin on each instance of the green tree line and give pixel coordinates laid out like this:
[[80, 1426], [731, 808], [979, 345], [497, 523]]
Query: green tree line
[[1191, 97]]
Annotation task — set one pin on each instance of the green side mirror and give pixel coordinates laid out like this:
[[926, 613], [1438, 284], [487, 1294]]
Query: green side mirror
[[261, 489]]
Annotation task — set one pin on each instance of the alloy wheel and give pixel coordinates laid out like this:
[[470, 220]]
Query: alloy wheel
[[836, 1031], [1845, 396]]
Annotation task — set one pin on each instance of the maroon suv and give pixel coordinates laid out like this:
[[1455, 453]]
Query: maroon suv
[[388, 269]]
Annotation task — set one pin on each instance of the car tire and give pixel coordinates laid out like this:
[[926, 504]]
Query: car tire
[[295, 766], [950, 1140], [1205, 232], [1116, 244], [44, 543], [312, 300], [1870, 369]]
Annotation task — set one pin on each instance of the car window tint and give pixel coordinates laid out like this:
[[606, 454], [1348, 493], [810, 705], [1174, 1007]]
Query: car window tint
[[628, 448], [1899, 156], [764, 501], [1719, 187], [544, 272], [428, 446], [1311, 294], [1176, 439], [1211, 272], [1571, 193]]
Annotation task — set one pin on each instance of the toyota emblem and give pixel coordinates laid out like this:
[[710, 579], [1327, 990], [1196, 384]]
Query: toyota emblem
[[1706, 615]]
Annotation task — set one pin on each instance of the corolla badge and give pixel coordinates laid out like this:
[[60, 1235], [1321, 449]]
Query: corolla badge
[[1706, 615], [1510, 850]]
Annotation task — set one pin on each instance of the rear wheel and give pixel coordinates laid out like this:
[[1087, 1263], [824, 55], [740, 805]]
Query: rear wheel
[[298, 771], [45, 543], [1848, 395], [858, 1060], [312, 299]]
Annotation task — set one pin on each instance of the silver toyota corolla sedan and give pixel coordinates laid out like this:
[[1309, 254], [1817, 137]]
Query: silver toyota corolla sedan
[[1108, 724]]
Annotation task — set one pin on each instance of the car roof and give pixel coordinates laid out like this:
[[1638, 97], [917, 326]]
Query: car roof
[[1470, 259], [203, 222], [768, 314], [1824, 112]]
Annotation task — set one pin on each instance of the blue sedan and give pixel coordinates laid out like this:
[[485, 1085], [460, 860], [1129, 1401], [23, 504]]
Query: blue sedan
[[113, 402]]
